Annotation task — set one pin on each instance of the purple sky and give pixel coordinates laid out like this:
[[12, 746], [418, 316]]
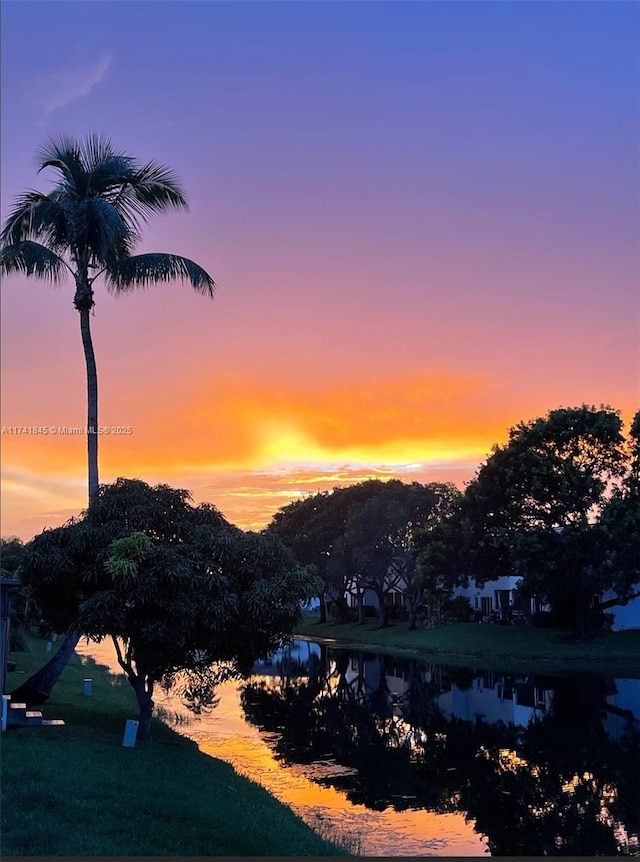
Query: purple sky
[[423, 219]]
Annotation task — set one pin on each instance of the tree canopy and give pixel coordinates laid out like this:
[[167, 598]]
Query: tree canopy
[[174, 585], [359, 538], [540, 505], [558, 505]]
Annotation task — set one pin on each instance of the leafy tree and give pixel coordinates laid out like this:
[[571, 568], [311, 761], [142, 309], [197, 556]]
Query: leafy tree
[[11, 554], [438, 554], [619, 528], [176, 587], [88, 227], [533, 504], [12, 551], [313, 528], [380, 533], [358, 538]]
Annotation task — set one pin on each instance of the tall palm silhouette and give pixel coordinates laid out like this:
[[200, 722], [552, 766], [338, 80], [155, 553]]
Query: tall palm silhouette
[[87, 228]]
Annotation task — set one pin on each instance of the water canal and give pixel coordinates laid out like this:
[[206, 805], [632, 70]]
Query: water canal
[[408, 758]]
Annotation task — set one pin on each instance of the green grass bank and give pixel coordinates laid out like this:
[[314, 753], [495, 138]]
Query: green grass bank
[[73, 790], [491, 646]]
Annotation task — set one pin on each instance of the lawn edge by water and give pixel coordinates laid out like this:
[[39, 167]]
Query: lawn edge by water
[[75, 791], [488, 646]]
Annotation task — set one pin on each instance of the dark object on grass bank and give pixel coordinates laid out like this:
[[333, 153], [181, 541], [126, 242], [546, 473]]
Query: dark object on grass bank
[[542, 620]]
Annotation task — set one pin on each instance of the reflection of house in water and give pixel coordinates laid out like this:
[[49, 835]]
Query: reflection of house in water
[[367, 674], [622, 708], [490, 696], [295, 658], [495, 697]]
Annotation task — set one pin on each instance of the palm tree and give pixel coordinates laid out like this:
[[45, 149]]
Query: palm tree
[[87, 227]]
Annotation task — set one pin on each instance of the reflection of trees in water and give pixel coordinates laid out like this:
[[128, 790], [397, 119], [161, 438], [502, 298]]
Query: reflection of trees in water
[[559, 786]]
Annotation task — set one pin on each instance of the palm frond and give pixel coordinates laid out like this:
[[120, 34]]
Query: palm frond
[[148, 190], [97, 148], [63, 152], [108, 177], [36, 216], [100, 229], [144, 269], [158, 187], [31, 258]]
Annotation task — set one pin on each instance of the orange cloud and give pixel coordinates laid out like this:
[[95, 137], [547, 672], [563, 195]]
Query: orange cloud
[[251, 444], [394, 418]]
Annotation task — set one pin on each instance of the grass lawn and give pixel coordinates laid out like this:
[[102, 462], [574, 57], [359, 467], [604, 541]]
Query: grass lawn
[[73, 790], [492, 646]]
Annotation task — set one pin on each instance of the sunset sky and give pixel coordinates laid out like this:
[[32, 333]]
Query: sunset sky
[[422, 217]]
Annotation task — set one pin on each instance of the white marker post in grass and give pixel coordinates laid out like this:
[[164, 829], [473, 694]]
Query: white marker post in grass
[[130, 733]]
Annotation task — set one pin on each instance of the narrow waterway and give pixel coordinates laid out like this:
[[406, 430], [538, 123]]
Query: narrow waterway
[[407, 759]]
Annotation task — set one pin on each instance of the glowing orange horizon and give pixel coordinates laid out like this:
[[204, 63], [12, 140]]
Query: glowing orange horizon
[[250, 447]]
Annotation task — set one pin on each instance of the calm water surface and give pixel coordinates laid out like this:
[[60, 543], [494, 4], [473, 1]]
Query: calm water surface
[[415, 759]]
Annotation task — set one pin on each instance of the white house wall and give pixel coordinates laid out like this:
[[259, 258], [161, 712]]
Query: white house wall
[[488, 591], [624, 616]]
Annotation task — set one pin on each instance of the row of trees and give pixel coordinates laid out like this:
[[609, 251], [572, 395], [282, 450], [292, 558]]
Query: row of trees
[[360, 538], [557, 505]]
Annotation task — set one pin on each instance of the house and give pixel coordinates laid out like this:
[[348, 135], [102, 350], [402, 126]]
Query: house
[[623, 616], [493, 598], [497, 598], [393, 598], [490, 598]]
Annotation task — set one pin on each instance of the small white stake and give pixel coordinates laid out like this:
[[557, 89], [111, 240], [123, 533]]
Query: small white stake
[[130, 733]]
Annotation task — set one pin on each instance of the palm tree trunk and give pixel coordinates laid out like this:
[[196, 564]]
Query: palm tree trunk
[[38, 687], [92, 402]]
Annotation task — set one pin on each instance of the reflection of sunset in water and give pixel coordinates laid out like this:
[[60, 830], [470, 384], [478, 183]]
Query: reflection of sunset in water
[[225, 733]]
